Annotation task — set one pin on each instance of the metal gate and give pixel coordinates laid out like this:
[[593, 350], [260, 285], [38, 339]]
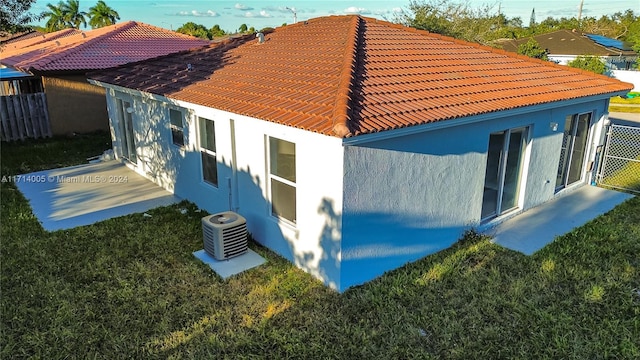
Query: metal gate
[[620, 162]]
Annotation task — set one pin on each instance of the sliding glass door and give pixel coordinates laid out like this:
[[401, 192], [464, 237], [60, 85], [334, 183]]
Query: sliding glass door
[[574, 146], [503, 175]]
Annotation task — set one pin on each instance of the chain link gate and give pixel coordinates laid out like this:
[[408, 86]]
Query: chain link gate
[[620, 161]]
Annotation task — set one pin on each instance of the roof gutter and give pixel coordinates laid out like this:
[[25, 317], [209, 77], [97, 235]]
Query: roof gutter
[[444, 124]]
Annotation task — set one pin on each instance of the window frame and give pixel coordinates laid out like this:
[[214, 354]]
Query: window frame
[[502, 169], [173, 127], [275, 177], [204, 151]]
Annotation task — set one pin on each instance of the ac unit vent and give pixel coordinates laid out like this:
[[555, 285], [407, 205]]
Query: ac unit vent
[[225, 235]]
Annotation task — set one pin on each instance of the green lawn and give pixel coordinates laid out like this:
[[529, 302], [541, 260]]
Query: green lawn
[[130, 288], [633, 99], [618, 104]]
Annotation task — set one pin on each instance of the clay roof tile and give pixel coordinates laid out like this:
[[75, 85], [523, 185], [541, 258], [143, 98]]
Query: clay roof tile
[[350, 75]]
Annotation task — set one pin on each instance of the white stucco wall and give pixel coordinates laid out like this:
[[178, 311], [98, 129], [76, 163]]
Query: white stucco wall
[[313, 243], [363, 207], [414, 195]]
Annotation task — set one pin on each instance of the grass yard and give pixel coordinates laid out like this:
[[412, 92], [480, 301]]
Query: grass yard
[[634, 98], [130, 288], [628, 105]]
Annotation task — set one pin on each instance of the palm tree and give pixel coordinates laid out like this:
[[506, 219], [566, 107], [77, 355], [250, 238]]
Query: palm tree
[[73, 16], [102, 15], [56, 17]]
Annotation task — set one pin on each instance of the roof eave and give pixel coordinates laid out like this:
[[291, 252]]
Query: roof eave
[[448, 123]]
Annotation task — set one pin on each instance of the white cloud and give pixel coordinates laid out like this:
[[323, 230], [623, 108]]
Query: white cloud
[[261, 14], [196, 13], [356, 10], [242, 7]]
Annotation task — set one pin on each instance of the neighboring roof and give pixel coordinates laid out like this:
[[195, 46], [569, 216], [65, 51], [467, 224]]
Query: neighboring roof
[[110, 46], [349, 75], [609, 42], [6, 38], [566, 42], [12, 74]]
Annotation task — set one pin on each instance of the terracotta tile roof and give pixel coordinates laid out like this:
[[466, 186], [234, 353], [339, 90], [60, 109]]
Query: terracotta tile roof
[[565, 42], [6, 38], [38, 38], [348, 75], [110, 46]]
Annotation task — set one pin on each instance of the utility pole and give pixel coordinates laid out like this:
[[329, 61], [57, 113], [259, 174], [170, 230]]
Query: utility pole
[[580, 10], [293, 10]]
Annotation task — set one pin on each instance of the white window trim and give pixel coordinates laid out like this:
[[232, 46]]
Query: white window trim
[[526, 157], [207, 151], [183, 112], [270, 176]]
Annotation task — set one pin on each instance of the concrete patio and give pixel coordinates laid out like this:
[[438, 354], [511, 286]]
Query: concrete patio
[[86, 194], [537, 227], [82, 195]]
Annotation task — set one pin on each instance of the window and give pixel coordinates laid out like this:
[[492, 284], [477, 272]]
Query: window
[[573, 151], [208, 151], [282, 178], [177, 127], [505, 158]]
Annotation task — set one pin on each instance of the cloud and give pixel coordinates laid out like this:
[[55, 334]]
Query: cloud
[[356, 10], [196, 13], [562, 12], [261, 14], [242, 7]]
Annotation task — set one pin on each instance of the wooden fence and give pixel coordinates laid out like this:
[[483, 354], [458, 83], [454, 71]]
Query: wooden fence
[[24, 116]]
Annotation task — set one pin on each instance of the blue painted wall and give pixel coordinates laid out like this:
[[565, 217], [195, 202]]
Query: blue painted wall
[[411, 196]]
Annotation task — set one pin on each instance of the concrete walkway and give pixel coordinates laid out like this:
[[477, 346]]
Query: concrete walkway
[[537, 227], [86, 194]]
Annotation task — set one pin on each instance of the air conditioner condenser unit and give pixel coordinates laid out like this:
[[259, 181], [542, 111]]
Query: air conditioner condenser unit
[[225, 235]]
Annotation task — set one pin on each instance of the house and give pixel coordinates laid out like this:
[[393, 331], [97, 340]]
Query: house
[[60, 60], [564, 46], [353, 145]]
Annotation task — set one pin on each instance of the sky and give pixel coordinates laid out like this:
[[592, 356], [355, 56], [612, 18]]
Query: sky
[[171, 14]]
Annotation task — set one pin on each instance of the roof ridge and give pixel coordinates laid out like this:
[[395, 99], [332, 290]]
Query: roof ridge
[[340, 116]]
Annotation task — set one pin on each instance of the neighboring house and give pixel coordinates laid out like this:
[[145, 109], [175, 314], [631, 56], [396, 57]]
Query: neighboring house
[[61, 59], [7, 38], [564, 46], [352, 145]]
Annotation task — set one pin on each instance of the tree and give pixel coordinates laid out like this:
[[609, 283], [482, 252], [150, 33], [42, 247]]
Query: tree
[[589, 63], [215, 31], [532, 49], [102, 15], [243, 28], [56, 17], [194, 29], [73, 15], [15, 15], [454, 19], [532, 19]]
